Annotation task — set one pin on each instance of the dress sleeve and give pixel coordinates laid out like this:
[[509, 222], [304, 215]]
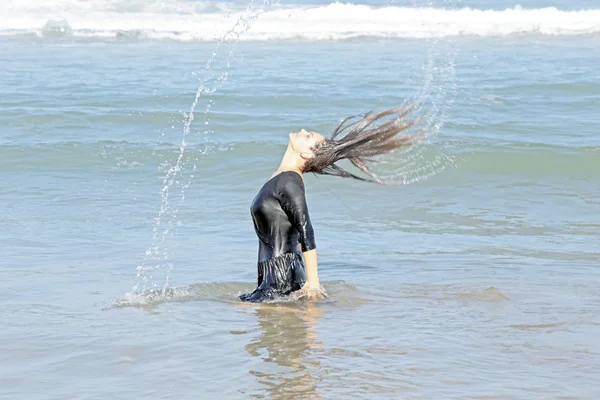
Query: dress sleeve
[[293, 202]]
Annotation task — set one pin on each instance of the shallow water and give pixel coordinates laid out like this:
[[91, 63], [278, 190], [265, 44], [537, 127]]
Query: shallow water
[[479, 282]]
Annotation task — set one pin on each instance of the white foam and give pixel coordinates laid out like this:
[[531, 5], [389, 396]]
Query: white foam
[[182, 20]]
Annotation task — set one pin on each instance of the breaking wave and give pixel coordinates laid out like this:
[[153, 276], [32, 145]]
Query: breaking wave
[[204, 21]]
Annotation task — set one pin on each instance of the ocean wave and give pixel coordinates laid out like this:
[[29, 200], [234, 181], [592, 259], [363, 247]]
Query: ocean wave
[[516, 159], [203, 21]]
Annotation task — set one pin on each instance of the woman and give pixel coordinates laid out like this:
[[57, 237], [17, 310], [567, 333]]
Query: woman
[[287, 254]]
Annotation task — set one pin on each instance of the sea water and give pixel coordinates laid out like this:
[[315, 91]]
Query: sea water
[[480, 281]]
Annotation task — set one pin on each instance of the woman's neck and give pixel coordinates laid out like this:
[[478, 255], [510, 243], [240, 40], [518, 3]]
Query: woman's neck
[[291, 161]]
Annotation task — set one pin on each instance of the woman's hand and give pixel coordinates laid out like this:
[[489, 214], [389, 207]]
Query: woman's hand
[[312, 291]]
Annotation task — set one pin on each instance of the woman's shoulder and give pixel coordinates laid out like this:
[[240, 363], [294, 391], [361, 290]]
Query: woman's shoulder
[[284, 182], [284, 177], [291, 182]]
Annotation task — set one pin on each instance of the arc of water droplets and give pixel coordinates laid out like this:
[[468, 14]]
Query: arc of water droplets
[[231, 37], [434, 99]]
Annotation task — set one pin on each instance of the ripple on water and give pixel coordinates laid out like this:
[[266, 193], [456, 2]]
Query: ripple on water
[[218, 291], [445, 293], [533, 327], [489, 294], [340, 293]]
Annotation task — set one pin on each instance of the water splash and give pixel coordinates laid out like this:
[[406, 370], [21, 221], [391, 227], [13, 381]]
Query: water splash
[[166, 221], [434, 100]]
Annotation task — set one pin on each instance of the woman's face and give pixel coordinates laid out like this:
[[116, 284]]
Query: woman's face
[[303, 142]]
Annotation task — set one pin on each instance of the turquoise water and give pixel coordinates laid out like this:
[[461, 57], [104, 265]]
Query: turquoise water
[[479, 281]]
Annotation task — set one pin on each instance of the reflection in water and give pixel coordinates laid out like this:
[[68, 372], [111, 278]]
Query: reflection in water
[[287, 340]]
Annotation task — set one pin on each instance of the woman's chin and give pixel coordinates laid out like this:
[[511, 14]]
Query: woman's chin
[[291, 141]]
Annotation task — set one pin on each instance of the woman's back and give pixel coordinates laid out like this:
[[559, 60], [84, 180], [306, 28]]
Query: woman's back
[[280, 217]]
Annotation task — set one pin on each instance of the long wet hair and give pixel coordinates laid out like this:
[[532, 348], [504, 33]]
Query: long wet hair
[[359, 140]]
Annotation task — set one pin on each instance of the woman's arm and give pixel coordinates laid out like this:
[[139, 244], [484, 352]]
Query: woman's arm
[[312, 289], [293, 203], [312, 269]]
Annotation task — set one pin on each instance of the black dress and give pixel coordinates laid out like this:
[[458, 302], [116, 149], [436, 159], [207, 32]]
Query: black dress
[[281, 221]]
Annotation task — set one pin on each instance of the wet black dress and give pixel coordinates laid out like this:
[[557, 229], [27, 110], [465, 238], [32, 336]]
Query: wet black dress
[[281, 221]]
